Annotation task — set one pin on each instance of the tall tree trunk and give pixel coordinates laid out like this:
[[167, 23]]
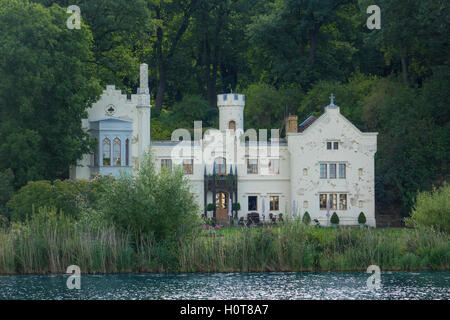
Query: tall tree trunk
[[211, 74], [313, 40], [404, 60], [161, 86]]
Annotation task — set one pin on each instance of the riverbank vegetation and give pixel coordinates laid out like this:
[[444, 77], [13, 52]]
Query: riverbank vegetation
[[150, 223], [50, 242]]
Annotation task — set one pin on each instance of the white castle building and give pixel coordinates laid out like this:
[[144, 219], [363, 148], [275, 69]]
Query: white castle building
[[321, 166]]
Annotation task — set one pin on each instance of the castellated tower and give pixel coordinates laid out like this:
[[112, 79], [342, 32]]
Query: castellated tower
[[231, 111]]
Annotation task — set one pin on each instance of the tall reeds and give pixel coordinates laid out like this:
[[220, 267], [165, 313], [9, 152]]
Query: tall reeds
[[51, 242]]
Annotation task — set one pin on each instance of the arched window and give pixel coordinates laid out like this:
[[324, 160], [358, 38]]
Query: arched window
[[127, 152], [117, 152], [232, 125], [220, 165], [106, 149]]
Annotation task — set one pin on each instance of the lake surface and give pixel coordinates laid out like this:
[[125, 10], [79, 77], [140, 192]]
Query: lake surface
[[223, 286]]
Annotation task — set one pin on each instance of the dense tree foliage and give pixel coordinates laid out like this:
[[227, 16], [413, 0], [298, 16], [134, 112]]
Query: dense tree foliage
[[287, 56], [46, 85]]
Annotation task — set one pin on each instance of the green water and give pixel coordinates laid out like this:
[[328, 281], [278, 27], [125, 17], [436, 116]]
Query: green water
[[222, 286]]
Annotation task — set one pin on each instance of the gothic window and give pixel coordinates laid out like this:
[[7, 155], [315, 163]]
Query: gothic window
[[328, 145], [106, 149], [117, 152], [96, 154], [220, 165], [235, 97], [232, 125], [224, 97], [127, 152]]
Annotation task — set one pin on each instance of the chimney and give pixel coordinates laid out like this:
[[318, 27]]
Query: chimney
[[292, 123]]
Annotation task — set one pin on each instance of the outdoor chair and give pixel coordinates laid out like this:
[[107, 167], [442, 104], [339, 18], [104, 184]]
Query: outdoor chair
[[253, 218]]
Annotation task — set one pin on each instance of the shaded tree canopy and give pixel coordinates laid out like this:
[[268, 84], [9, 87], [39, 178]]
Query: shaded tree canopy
[[285, 55]]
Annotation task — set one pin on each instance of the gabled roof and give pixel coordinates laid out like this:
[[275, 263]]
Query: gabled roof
[[305, 124]]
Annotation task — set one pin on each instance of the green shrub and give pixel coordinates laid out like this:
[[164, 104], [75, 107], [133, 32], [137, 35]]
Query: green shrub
[[306, 218], [210, 207], [432, 209], [236, 206], [70, 196], [160, 205], [34, 195], [334, 218], [361, 218]]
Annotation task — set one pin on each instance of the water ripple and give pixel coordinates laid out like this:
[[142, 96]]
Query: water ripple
[[225, 286]]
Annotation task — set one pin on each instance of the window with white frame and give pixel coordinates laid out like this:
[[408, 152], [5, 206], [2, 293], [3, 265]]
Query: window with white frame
[[252, 166], [332, 170], [329, 170], [274, 166], [188, 166], [220, 165], [333, 201], [342, 171], [252, 203], [332, 145], [166, 163], [274, 203], [323, 171]]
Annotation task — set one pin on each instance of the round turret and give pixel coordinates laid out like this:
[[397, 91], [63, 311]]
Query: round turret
[[231, 111]]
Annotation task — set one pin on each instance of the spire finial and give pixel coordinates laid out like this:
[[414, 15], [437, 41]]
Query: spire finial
[[332, 99]]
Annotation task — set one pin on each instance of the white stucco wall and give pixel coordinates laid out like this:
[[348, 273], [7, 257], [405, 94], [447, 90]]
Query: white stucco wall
[[298, 180], [356, 150]]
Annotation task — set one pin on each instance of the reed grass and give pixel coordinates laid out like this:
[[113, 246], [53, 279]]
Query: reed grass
[[50, 245]]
